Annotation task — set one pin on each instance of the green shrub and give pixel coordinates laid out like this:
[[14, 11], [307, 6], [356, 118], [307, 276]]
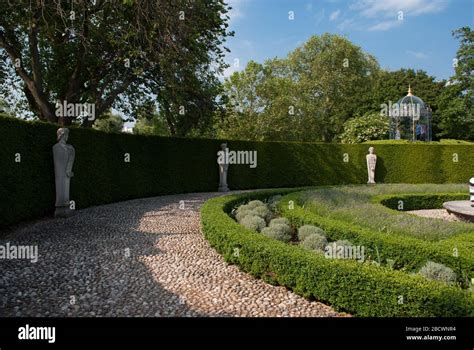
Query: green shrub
[[415, 201], [409, 253], [280, 232], [307, 230], [438, 272], [279, 221], [240, 214], [370, 126], [241, 208], [455, 142], [314, 241], [273, 202], [253, 222], [343, 242], [256, 203], [361, 289], [263, 212], [356, 205]]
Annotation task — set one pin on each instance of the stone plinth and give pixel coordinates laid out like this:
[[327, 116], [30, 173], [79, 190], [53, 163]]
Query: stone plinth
[[461, 209]]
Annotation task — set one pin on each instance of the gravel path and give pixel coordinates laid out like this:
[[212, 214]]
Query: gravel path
[[435, 213], [144, 257]]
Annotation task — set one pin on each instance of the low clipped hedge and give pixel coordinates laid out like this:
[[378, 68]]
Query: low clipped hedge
[[457, 252], [361, 289], [415, 201], [168, 165]]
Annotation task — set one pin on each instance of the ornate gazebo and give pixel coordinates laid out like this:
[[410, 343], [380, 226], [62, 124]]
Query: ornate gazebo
[[410, 119]]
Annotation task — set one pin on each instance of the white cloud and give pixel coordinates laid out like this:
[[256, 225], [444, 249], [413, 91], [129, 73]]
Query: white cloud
[[229, 71], [319, 16], [246, 43], [382, 15], [347, 23], [418, 55], [334, 15], [385, 25], [390, 8], [236, 12]]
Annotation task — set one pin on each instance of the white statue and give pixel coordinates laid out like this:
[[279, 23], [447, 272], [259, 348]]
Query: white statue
[[63, 155], [371, 163], [223, 167]]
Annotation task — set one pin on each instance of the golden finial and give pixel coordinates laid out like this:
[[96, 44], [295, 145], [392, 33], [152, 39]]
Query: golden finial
[[409, 90]]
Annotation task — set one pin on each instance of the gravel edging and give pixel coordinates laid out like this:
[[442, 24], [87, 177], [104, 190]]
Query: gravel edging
[[435, 214]]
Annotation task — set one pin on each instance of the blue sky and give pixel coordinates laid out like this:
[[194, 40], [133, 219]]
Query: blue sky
[[421, 39]]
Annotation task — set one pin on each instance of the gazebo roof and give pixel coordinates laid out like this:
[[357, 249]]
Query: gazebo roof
[[411, 99]]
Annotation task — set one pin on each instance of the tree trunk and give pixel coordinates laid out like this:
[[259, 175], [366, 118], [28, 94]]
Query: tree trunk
[[45, 109]]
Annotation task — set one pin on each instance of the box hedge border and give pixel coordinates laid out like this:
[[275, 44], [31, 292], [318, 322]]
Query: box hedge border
[[416, 201], [409, 252], [361, 289]]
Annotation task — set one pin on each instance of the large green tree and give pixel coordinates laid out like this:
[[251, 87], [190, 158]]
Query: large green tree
[[307, 96], [393, 85], [262, 104], [456, 103], [109, 122], [118, 54], [150, 122], [390, 86]]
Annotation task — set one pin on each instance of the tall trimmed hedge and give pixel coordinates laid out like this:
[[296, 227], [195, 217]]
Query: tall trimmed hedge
[[162, 165], [158, 165]]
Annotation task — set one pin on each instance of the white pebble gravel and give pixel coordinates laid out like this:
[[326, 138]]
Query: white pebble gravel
[[144, 257], [434, 213]]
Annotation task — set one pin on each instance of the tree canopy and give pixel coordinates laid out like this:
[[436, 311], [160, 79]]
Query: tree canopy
[[315, 92], [456, 102], [306, 96], [109, 122], [118, 54]]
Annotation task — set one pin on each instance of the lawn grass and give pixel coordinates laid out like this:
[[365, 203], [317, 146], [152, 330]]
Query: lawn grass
[[454, 247], [362, 289], [354, 205]]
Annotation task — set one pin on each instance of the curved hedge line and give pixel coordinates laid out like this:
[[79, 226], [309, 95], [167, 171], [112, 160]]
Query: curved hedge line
[[456, 252], [166, 165], [361, 289], [415, 201]]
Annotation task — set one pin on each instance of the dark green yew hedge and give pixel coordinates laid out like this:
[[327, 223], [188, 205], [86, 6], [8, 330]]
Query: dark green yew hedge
[[417, 201], [361, 289], [161, 165], [158, 165]]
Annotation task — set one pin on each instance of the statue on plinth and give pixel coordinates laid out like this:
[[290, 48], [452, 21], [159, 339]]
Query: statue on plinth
[[63, 155], [371, 164], [223, 167]]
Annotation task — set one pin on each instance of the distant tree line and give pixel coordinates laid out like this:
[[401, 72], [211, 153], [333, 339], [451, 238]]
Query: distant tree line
[[328, 89], [158, 63]]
